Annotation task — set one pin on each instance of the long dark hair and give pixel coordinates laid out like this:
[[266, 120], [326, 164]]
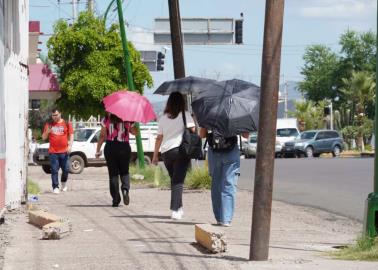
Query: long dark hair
[[175, 105]]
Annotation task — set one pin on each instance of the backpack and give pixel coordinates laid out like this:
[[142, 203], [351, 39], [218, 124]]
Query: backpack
[[221, 144]]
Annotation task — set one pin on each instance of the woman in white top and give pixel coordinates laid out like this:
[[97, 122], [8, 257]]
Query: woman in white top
[[170, 131]]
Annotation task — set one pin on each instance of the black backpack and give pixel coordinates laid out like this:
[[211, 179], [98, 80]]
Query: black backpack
[[221, 144]]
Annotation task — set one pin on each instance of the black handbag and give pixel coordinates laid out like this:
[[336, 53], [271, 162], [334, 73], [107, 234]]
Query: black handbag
[[191, 145]]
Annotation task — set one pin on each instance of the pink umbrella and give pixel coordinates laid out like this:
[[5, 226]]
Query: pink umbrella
[[129, 106]]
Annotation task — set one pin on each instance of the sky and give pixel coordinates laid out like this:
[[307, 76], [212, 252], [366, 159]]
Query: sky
[[306, 22]]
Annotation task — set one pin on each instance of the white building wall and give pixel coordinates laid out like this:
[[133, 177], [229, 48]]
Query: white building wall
[[16, 99]]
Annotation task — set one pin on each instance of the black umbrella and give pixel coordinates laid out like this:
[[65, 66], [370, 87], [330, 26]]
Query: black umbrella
[[228, 107], [188, 85]]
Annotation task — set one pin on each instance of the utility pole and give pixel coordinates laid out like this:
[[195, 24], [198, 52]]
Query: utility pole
[[73, 11], [286, 96], [371, 211], [176, 39], [90, 6], [270, 79], [130, 80]]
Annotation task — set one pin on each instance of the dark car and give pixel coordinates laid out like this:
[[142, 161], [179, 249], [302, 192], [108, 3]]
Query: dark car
[[312, 143]]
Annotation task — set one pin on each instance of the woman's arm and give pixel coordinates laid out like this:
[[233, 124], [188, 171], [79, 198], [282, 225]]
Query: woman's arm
[[133, 130], [101, 140], [155, 158]]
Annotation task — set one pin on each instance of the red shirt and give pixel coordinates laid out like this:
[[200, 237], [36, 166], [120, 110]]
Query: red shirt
[[59, 135]]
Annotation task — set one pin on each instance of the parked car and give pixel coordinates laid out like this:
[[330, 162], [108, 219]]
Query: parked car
[[312, 143], [84, 149], [286, 130], [249, 147]]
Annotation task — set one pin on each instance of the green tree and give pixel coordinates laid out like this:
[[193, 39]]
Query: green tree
[[324, 69], [89, 62], [320, 66], [309, 115]]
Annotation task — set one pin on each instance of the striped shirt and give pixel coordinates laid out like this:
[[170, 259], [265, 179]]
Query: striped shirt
[[116, 132]]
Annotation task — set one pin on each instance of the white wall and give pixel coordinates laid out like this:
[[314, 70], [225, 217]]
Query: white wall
[[15, 98]]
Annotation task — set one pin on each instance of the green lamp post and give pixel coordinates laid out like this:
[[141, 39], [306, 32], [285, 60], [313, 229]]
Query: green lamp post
[[127, 63], [371, 214]]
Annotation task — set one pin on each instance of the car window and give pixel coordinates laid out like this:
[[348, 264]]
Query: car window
[[321, 136], [287, 132], [307, 135], [82, 135], [253, 139], [96, 137], [334, 134]]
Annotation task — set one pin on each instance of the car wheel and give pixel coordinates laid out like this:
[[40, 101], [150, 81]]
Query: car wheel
[[147, 160], [309, 152], [77, 164], [336, 151], [46, 169]]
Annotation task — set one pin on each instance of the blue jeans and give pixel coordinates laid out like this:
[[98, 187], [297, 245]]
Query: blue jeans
[[59, 161], [224, 169]]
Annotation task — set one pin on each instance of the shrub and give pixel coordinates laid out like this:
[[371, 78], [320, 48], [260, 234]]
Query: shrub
[[150, 173], [198, 178], [33, 188]]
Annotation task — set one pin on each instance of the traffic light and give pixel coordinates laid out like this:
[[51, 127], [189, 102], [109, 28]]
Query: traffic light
[[160, 61], [238, 31]]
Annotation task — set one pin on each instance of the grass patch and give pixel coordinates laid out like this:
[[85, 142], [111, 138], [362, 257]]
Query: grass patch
[[154, 176], [365, 249], [33, 188], [198, 178]]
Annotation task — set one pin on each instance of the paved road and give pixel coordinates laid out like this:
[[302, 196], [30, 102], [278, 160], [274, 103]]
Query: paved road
[[336, 185]]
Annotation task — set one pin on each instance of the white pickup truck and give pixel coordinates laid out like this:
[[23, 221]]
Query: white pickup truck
[[84, 148]]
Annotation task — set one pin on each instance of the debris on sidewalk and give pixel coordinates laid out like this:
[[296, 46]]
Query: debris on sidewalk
[[211, 238], [137, 177], [53, 226], [56, 230]]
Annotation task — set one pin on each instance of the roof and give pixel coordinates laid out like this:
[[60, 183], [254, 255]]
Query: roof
[[41, 78]]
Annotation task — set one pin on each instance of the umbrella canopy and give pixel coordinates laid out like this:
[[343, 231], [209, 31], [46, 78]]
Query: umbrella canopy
[[188, 85], [229, 107], [129, 106]]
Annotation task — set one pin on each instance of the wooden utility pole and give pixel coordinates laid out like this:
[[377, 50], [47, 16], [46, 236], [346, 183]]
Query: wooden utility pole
[[270, 78], [176, 39]]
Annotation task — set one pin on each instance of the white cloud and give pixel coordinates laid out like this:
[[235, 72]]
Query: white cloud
[[338, 9]]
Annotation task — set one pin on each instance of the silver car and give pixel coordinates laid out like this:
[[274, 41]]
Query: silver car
[[312, 143]]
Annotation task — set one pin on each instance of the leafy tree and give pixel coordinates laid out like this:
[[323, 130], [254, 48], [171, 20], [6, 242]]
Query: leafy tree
[[324, 70], [89, 59], [319, 69], [309, 114]]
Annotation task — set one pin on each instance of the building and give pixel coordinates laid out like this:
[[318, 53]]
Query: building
[[43, 83], [14, 16]]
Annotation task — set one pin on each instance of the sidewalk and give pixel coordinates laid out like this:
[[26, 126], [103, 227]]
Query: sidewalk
[[142, 236]]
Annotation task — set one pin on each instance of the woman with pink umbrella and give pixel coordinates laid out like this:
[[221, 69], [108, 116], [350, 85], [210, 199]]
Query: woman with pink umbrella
[[124, 108]]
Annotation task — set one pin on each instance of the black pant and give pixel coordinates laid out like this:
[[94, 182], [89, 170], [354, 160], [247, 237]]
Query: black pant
[[117, 155], [177, 167]]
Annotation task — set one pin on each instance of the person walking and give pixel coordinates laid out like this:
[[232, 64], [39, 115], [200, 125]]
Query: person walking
[[60, 136], [170, 131], [224, 169], [117, 153]]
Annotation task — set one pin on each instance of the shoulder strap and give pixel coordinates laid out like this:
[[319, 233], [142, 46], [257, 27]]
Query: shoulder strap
[[184, 118]]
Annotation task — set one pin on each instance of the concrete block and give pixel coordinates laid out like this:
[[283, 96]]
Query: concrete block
[[211, 238], [56, 230], [40, 218]]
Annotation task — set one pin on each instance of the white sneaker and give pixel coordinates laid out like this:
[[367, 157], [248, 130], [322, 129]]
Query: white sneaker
[[56, 190], [177, 214], [181, 210], [64, 186]]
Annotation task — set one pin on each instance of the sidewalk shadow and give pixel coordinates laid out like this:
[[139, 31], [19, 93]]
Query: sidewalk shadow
[[207, 255], [89, 205], [177, 222], [142, 216]]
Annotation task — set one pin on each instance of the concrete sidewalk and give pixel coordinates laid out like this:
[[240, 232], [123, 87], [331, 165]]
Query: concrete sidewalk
[[142, 235]]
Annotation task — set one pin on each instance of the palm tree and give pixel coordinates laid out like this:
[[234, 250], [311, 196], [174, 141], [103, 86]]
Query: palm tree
[[359, 91]]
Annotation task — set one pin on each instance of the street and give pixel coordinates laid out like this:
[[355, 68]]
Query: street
[[337, 185]]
